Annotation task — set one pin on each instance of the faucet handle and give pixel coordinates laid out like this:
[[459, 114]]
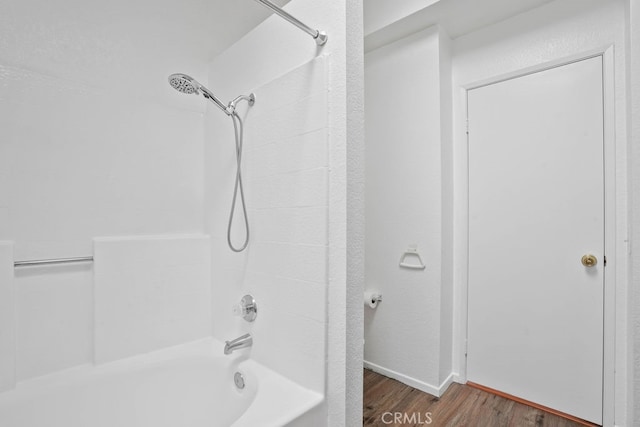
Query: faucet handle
[[247, 308]]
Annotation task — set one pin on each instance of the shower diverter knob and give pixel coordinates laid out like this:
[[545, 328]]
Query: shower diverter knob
[[247, 308]]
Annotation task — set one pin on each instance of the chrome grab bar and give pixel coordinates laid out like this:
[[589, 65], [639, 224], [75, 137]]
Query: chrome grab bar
[[35, 262]]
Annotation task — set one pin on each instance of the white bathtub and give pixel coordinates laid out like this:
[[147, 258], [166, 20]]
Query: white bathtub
[[187, 386]]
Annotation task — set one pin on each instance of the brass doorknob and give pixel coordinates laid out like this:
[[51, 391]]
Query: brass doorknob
[[589, 260]]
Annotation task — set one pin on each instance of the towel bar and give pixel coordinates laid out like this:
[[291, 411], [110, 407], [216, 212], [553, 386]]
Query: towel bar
[[34, 262]]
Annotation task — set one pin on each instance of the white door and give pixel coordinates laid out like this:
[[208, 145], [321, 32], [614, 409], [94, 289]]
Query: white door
[[536, 206]]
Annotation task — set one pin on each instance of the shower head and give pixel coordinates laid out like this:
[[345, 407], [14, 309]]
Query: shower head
[[183, 83], [186, 84]]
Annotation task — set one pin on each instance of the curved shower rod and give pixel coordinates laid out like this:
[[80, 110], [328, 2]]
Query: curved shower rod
[[319, 36]]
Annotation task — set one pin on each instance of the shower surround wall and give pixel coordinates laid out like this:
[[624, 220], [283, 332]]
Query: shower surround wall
[[94, 143], [150, 293], [295, 175], [285, 266]]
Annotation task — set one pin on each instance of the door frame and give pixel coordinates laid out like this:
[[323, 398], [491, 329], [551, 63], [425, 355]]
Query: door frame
[[461, 219]]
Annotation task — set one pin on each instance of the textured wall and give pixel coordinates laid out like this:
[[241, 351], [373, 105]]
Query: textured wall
[[355, 193], [634, 164], [404, 207], [553, 31]]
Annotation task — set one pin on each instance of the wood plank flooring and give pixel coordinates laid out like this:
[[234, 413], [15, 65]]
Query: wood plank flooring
[[388, 402]]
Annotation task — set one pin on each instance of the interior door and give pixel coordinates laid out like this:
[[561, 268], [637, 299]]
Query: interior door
[[536, 207]]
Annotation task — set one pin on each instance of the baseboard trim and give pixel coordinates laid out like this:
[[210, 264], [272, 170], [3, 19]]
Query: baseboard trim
[[533, 404], [446, 383], [457, 378], [410, 381]]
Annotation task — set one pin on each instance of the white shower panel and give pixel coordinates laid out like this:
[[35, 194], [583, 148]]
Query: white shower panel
[[150, 292], [54, 318], [83, 161], [285, 162]]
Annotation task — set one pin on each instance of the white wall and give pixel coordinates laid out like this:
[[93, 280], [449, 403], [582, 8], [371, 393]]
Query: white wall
[[380, 13], [407, 134], [296, 188], [387, 21], [559, 29]]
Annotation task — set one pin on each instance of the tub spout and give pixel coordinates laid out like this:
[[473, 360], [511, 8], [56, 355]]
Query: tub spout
[[240, 342]]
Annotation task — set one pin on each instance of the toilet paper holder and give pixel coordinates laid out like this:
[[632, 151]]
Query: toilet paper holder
[[412, 251], [376, 297], [372, 298]]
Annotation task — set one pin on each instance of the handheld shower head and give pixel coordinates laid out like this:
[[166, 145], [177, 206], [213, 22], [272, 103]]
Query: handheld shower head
[[187, 84]]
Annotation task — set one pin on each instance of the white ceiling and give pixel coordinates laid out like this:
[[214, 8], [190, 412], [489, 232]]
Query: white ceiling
[[380, 13], [384, 24], [131, 40]]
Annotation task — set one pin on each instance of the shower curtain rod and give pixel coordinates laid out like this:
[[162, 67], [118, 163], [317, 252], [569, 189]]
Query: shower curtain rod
[[319, 36]]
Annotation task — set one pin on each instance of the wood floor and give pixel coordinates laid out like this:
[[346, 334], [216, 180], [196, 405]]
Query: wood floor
[[388, 402]]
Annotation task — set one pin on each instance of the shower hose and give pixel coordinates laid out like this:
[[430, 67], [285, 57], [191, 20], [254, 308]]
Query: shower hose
[[238, 130]]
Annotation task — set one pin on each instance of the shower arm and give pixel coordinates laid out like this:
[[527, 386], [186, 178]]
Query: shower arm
[[251, 99], [319, 36], [231, 108]]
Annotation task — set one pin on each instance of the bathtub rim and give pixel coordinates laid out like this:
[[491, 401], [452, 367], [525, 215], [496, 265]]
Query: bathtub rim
[[293, 400]]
